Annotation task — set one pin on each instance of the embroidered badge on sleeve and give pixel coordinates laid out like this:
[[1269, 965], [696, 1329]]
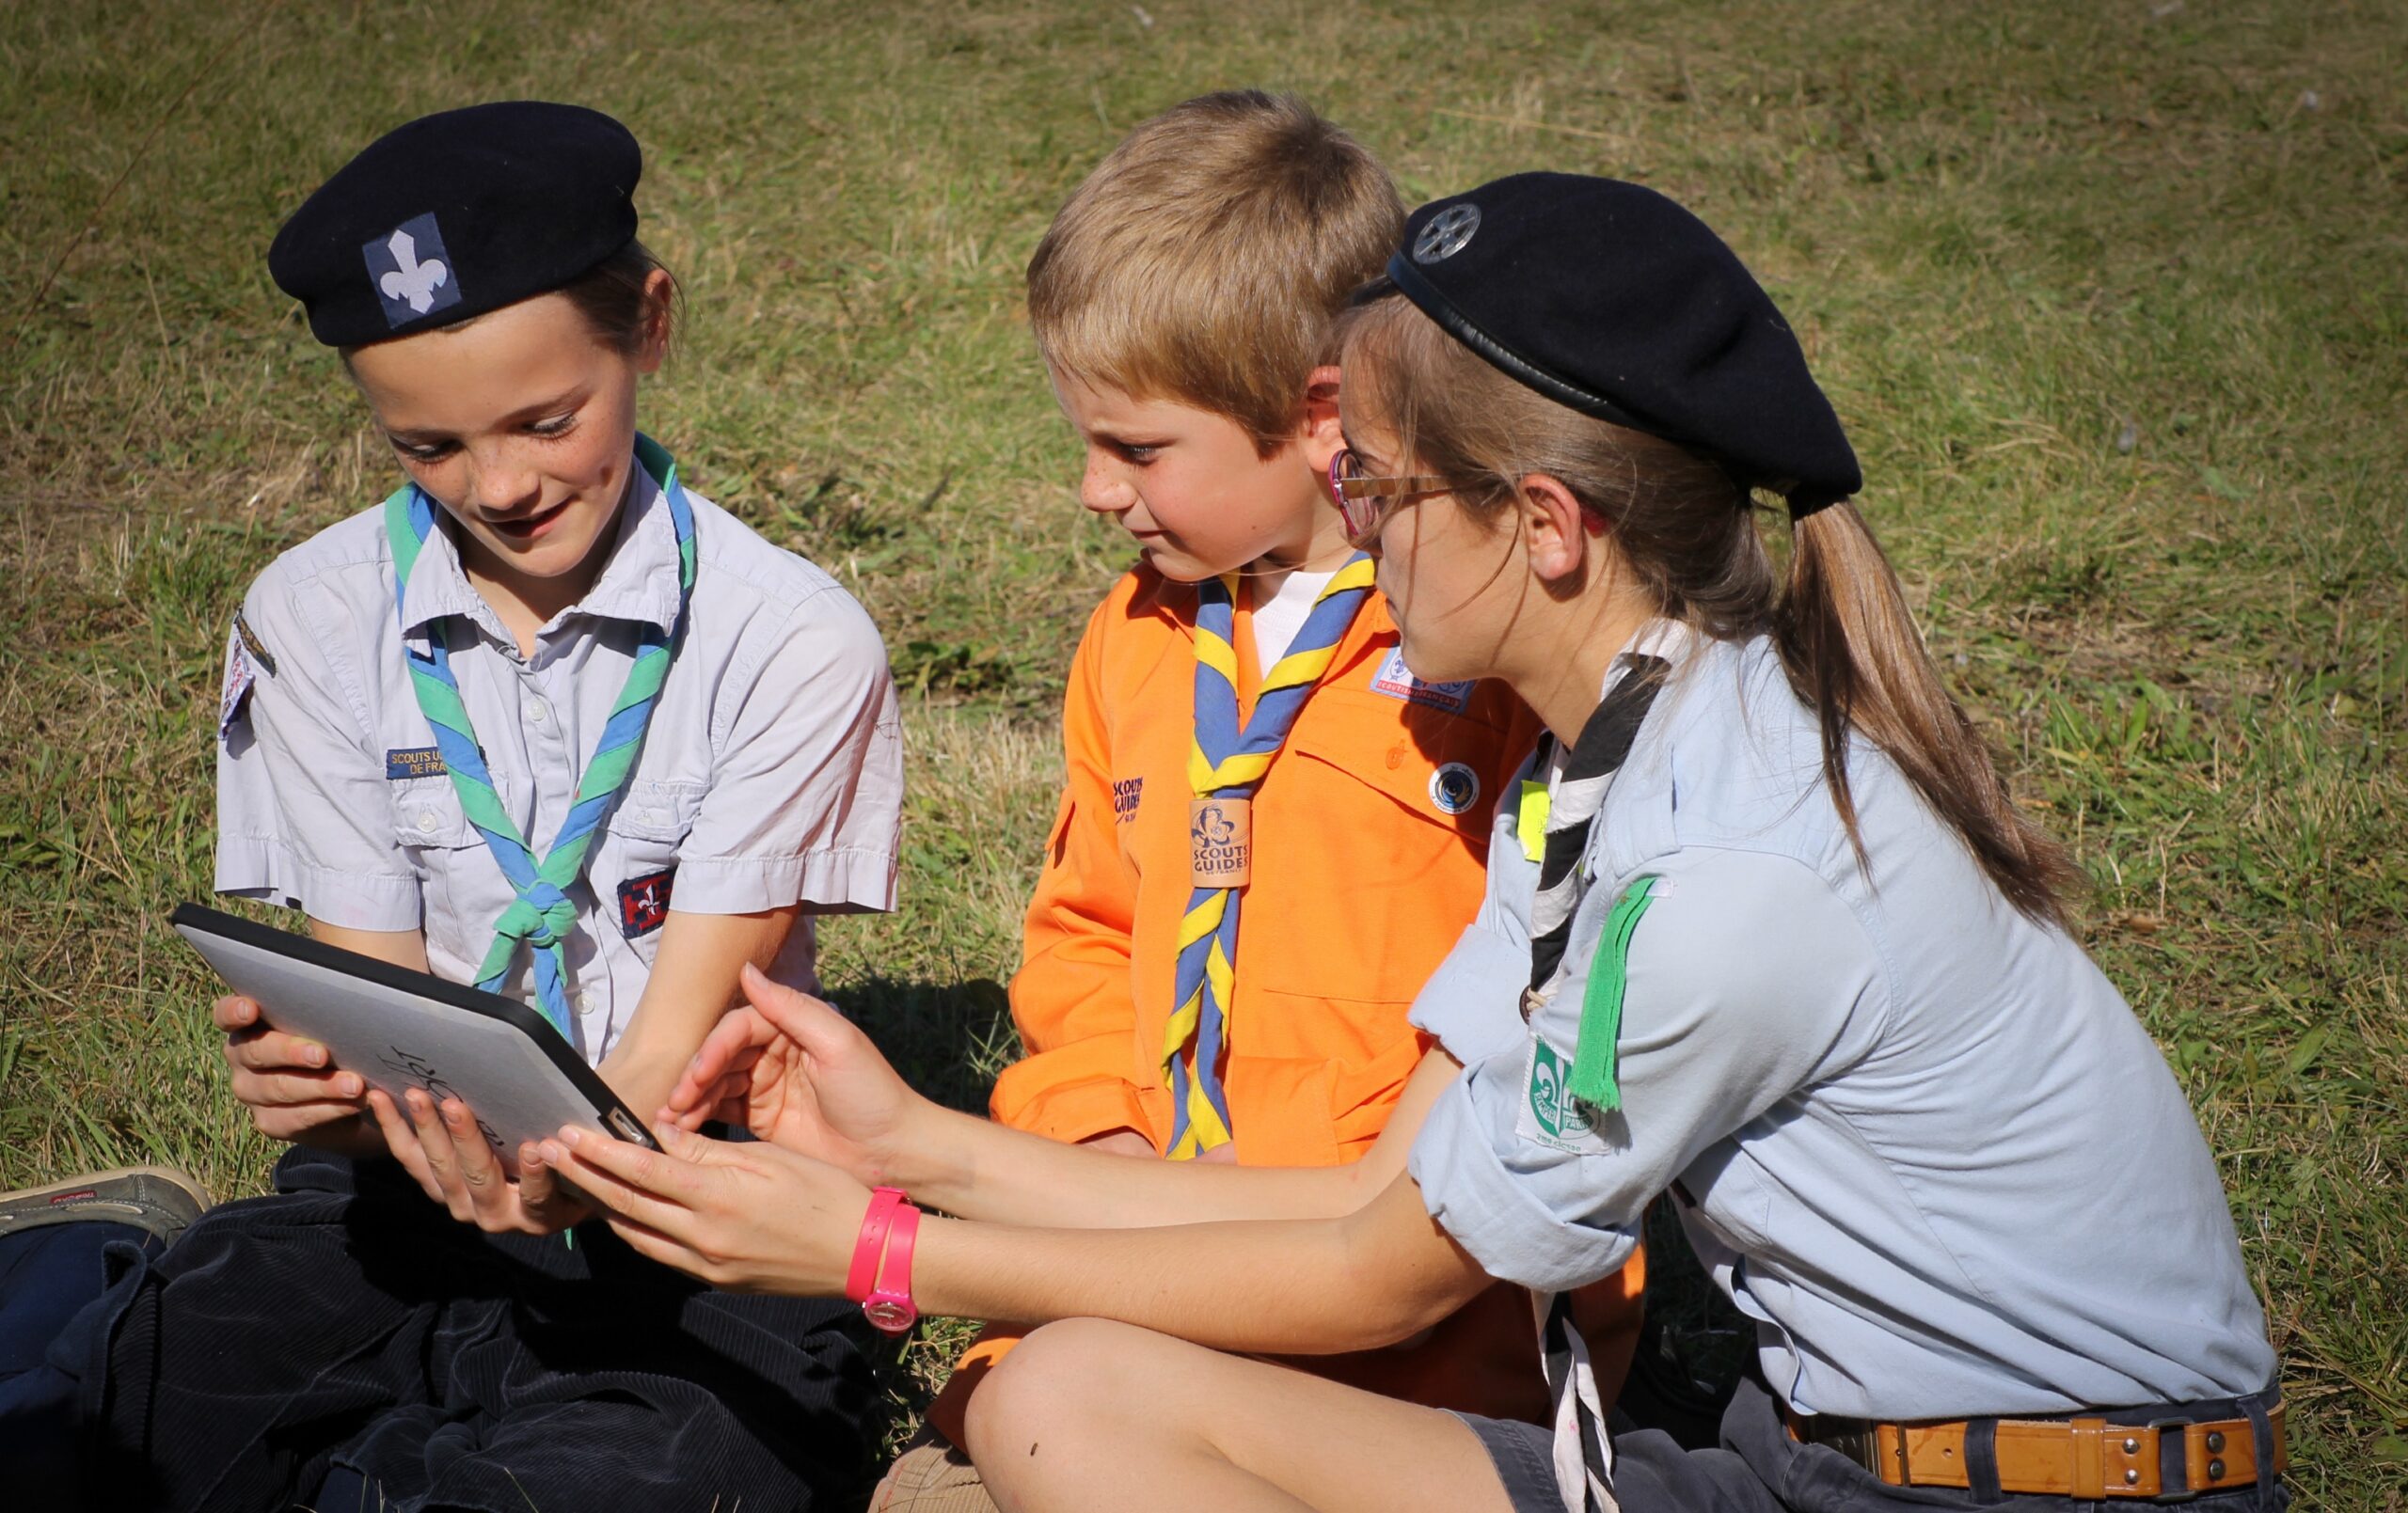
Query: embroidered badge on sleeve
[[1550, 1115], [644, 903]]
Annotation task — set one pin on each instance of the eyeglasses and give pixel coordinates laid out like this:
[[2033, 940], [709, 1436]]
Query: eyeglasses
[[1366, 503]]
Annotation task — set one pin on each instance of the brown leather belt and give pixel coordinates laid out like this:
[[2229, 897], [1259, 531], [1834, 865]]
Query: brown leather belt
[[2086, 1458]]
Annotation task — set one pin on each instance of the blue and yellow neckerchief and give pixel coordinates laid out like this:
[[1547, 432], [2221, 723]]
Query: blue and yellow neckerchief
[[543, 914], [1228, 763]]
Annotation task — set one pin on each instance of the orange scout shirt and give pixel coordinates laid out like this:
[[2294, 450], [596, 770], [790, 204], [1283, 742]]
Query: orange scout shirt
[[1370, 838]]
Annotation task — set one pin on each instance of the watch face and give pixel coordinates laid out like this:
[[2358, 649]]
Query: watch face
[[890, 1315]]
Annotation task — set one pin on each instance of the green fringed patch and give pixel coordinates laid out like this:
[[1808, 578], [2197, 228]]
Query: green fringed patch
[[1594, 1062]]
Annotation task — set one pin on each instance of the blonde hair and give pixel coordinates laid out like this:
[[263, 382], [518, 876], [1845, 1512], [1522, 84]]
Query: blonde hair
[[1846, 638], [1205, 259]]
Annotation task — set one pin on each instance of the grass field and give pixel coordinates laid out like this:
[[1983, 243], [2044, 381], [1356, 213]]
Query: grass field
[[2112, 293]]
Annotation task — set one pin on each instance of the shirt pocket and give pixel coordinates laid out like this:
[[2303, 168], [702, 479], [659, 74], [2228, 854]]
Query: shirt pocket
[[460, 883], [634, 873], [1439, 768], [1378, 834]]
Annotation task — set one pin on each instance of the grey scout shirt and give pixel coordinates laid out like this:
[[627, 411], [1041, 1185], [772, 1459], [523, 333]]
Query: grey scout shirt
[[772, 774], [1918, 1138]]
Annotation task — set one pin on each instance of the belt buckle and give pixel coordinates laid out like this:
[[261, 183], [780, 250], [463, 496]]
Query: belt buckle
[[1862, 1445], [2176, 1427], [1857, 1445]]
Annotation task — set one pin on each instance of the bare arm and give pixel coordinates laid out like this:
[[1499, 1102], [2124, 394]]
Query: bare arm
[[982, 1170], [755, 1218], [800, 1076], [693, 983], [1306, 1286], [402, 948]]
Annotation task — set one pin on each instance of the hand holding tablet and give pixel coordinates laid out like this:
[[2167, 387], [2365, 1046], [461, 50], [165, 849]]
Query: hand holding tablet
[[401, 1030]]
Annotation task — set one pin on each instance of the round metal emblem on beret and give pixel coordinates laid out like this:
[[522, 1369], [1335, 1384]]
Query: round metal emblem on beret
[[1454, 788], [1446, 233]]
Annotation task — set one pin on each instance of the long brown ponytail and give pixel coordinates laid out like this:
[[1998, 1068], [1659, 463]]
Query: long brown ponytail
[[1841, 623], [1853, 650]]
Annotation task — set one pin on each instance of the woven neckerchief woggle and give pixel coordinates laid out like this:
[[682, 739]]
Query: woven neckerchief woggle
[[543, 914], [1225, 764]]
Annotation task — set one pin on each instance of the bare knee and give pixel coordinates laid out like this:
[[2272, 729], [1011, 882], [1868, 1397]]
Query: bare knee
[[1058, 1388]]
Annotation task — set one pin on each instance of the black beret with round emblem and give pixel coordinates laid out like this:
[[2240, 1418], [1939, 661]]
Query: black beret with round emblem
[[458, 214], [1611, 299]]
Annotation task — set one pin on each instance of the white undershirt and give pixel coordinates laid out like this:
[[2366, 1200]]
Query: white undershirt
[[1276, 624]]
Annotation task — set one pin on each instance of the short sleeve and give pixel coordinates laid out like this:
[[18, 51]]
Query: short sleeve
[[1747, 981], [805, 802], [303, 818]]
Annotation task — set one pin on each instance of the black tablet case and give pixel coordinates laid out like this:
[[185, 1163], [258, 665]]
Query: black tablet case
[[399, 1029]]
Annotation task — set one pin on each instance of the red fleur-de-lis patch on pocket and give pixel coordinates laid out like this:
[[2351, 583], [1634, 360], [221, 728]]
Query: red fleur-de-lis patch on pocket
[[644, 903]]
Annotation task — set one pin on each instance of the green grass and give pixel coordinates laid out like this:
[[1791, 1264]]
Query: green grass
[[2113, 303]]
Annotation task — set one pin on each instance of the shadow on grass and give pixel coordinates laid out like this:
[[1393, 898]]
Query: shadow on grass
[[948, 1039]]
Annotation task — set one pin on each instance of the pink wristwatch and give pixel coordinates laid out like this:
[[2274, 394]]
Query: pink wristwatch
[[880, 1277]]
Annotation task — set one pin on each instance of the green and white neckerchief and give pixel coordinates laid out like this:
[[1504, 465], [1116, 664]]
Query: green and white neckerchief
[[542, 915]]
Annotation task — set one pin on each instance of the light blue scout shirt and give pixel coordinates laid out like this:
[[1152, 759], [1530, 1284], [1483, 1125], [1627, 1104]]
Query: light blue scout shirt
[[771, 774], [1918, 1138]]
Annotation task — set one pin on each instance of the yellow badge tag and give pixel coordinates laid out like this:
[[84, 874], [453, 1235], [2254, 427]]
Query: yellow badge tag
[[1220, 839], [1530, 820]]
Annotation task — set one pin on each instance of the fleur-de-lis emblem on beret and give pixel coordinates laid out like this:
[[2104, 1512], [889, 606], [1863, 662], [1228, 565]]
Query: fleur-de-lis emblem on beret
[[410, 280], [412, 271]]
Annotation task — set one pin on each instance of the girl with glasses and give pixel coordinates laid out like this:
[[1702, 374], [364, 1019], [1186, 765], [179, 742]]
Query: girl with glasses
[[1765, 933]]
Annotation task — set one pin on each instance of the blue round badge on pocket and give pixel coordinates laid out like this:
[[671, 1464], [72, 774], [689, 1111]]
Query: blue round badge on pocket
[[1454, 788]]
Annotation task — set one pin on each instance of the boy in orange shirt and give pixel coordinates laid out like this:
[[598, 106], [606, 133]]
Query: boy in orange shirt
[[1272, 832]]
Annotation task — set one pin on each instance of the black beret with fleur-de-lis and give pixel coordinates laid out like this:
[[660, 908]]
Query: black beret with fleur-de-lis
[[1610, 298], [458, 214]]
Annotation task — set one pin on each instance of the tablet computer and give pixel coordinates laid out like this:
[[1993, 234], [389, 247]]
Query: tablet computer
[[399, 1029]]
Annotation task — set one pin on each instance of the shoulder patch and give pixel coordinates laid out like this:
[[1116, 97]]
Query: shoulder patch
[[252, 644], [1394, 678], [644, 903], [1549, 1114], [235, 690]]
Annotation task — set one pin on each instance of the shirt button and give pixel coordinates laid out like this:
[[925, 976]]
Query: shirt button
[[585, 1000], [427, 821], [1396, 757], [540, 712]]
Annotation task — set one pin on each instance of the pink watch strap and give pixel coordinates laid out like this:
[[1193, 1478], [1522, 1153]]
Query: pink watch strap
[[894, 1275], [889, 1304], [863, 1274]]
